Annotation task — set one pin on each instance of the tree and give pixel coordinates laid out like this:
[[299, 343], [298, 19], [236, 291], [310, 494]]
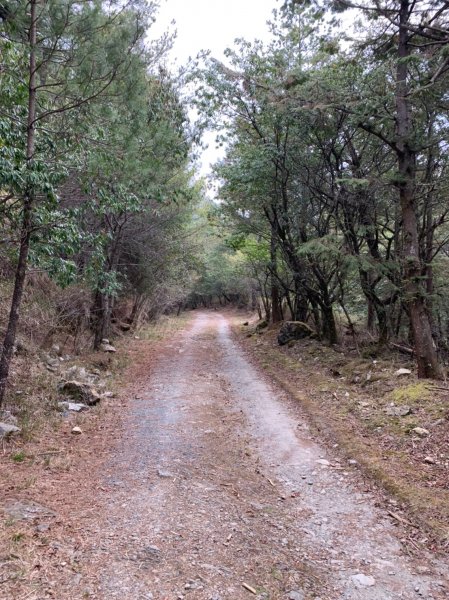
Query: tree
[[73, 53]]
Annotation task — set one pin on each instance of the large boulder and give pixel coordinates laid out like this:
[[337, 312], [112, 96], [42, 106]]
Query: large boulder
[[80, 391], [294, 330]]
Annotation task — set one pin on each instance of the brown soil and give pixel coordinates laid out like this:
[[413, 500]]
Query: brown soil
[[203, 481]]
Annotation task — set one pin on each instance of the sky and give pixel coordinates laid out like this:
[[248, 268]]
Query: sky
[[212, 25]]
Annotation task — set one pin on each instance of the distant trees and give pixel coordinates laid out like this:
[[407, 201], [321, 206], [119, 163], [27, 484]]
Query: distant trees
[[338, 159]]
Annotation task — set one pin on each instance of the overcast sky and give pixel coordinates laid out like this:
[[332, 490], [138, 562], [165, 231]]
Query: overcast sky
[[212, 25]]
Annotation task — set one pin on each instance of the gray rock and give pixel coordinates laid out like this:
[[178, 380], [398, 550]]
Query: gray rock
[[294, 330], [295, 595], [72, 406], [107, 348], [77, 431], [363, 580], [323, 462], [421, 431], [25, 510], [402, 372], [6, 416], [165, 474], [78, 374], [430, 460], [80, 391], [7, 429], [398, 411], [52, 362]]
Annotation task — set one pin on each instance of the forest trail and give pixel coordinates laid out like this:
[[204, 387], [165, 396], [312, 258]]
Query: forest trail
[[218, 491]]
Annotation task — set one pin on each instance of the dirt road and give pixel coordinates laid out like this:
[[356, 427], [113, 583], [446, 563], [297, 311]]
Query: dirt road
[[218, 491]]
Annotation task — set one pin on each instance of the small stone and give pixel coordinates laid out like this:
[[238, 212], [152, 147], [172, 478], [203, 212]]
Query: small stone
[[77, 431], [401, 372], [352, 461], [108, 348], [295, 595], [52, 363], [363, 580], [398, 411], [6, 416], [430, 460], [420, 431], [7, 429], [165, 474], [72, 406], [323, 462]]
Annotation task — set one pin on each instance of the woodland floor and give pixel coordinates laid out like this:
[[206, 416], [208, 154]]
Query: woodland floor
[[204, 480]]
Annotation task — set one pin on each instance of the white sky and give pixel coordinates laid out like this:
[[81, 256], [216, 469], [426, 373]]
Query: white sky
[[212, 25]]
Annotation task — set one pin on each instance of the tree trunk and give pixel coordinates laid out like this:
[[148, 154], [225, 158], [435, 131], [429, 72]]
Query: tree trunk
[[28, 203], [329, 326], [102, 317], [276, 311], [427, 359]]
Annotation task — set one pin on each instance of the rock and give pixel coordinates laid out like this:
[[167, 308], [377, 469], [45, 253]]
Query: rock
[[125, 326], [7, 429], [78, 374], [80, 391], [245, 324], [55, 349], [294, 330], [401, 372], [77, 431], [363, 580], [6, 416], [165, 474], [72, 406], [52, 363], [105, 341], [430, 460], [420, 431], [323, 462], [398, 411], [295, 595], [107, 348], [23, 510]]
